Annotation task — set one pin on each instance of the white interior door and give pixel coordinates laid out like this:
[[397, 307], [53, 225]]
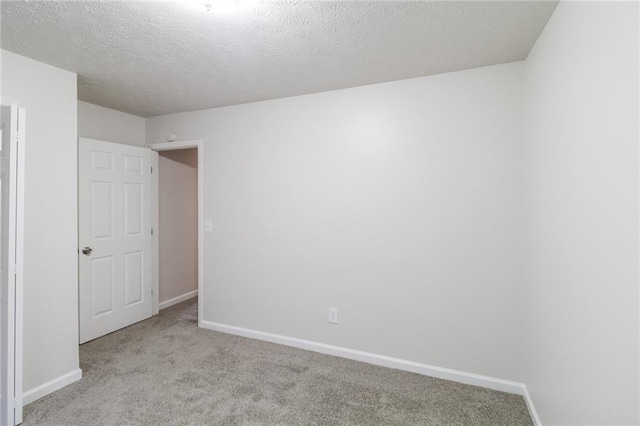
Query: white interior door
[[114, 236], [10, 301]]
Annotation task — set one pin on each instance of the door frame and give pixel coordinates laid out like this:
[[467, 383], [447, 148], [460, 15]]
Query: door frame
[[155, 185], [14, 327]]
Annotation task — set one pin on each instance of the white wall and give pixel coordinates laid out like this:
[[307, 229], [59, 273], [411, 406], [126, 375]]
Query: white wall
[[581, 171], [398, 203], [178, 217], [50, 266], [96, 122]]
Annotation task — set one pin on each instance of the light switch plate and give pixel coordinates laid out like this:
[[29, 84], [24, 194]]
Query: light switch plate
[[208, 225], [333, 315]]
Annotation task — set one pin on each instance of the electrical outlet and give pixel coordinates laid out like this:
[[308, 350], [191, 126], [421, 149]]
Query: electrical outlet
[[333, 315]]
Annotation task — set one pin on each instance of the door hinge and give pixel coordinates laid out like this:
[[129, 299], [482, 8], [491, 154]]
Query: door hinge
[[151, 169], [151, 231]]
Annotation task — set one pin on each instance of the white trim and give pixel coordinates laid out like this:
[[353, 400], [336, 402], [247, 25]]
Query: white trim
[[5, 101], [638, 177], [370, 358], [155, 238], [51, 386], [168, 146], [532, 409], [178, 299], [12, 305], [22, 130]]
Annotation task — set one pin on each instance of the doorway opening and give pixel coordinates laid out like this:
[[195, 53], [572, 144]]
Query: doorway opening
[[178, 226]]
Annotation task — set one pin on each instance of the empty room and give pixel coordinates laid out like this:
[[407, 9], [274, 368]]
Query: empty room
[[320, 212]]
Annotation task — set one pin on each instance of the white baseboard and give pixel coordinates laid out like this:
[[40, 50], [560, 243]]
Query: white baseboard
[[51, 386], [532, 409], [382, 360], [176, 300]]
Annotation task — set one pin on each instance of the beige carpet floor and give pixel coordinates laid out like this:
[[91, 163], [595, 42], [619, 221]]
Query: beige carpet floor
[[166, 370]]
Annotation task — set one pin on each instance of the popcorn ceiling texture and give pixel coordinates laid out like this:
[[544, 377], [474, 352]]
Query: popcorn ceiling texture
[[150, 58]]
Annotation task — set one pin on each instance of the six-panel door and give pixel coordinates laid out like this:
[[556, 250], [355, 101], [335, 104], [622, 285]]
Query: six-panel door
[[114, 236]]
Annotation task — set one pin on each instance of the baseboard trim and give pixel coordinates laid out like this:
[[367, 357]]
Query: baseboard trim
[[532, 409], [177, 300], [51, 386], [371, 358]]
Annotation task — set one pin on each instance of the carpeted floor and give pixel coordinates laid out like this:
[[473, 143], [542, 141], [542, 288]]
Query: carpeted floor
[[166, 370]]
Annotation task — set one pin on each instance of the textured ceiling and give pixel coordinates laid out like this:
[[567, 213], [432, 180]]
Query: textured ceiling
[[150, 57]]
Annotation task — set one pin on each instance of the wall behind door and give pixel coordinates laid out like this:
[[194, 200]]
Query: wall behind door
[[178, 230], [105, 124]]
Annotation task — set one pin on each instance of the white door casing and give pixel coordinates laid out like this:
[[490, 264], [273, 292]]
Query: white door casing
[[11, 164], [115, 228], [169, 146]]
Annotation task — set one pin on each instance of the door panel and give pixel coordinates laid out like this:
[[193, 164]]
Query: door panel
[[102, 293], [101, 160], [133, 209], [133, 164], [133, 266], [115, 224], [102, 218]]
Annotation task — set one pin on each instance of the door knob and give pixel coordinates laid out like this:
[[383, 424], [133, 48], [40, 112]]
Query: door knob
[[87, 251]]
